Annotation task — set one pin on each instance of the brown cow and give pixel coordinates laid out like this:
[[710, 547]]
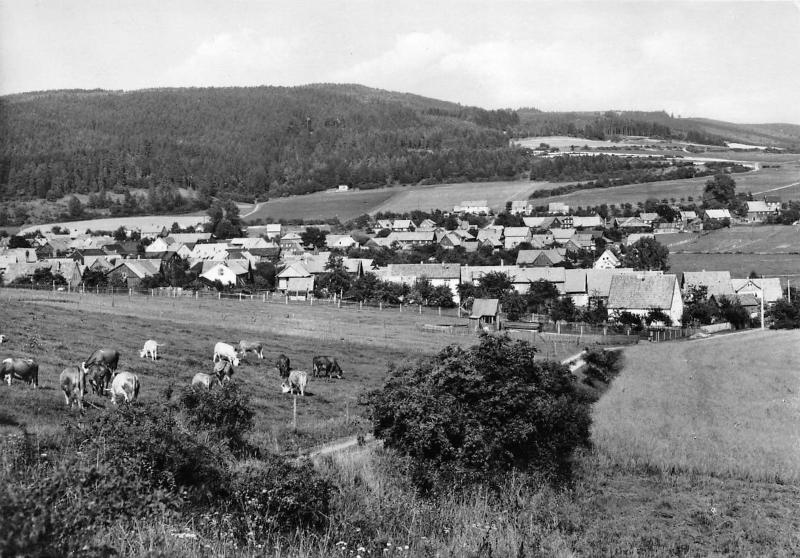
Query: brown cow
[[25, 369], [73, 383]]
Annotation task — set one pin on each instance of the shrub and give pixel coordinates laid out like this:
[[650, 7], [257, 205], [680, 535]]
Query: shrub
[[472, 414], [272, 495], [785, 315], [602, 365], [225, 414]]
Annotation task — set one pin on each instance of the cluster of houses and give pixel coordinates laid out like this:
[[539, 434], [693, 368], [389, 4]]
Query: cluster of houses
[[232, 262]]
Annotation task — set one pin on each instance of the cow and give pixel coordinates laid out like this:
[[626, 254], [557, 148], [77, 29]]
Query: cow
[[150, 349], [25, 369], [254, 346], [201, 379], [125, 385], [73, 383], [3, 339], [326, 366], [224, 351], [99, 375], [109, 357], [297, 380], [282, 364], [223, 370]]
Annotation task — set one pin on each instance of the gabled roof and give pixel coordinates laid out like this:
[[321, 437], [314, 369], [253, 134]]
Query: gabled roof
[[538, 222], [587, 222], [484, 307], [575, 281], [771, 287], [431, 271], [717, 282], [296, 269], [562, 235], [140, 268], [758, 207], [541, 258], [637, 291], [411, 236], [516, 232], [648, 216], [688, 215], [598, 281], [718, 214]]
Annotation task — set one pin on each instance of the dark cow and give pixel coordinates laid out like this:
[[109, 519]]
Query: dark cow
[[254, 346], [73, 383], [326, 366], [99, 375], [109, 357], [282, 364], [25, 369]]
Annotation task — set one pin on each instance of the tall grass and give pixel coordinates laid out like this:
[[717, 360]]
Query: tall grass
[[726, 406]]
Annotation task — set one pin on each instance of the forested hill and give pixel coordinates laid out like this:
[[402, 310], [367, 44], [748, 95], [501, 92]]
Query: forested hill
[[246, 142]]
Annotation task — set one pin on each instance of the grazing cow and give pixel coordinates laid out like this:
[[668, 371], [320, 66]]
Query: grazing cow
[[297, 381], [326, 366], [150, 349], [254, 346], [99, 375], [108, 357], [3, 339], [25, 369], [282, 363], [225, 352], [125, 385], [223, 370], [201, 379], [73, 383]]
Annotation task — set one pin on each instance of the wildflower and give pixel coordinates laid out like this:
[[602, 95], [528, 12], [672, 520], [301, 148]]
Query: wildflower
[[405, 547], [361, 549], [713, 510]]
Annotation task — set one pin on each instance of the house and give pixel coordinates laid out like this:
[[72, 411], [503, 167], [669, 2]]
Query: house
[[383, 224], [767, 288], [426, 225], [358, 266], [598, 284], [607, 260], [717, 283], [248, 243], [695, 225], [438, 274], [295, 279], [341, 241], [188, 238], [450, 240], [758, 212], [131, 273], [403, 225], [665, 227], [522, 207], [343, 188], [407, 240], [485, 314], [636, 237], [639, 293], [291, 241], [773, 203], [514, 236], [230, 273], [687, 216], [217, 252], [588, 222], [631, 224], [542, 241], [717, 214], [648, 218], [575, 286], [522, 277], [562, 236], [557, 208], [538, 258], [475, 207], [541, 223], [18, 255], [580, 241]]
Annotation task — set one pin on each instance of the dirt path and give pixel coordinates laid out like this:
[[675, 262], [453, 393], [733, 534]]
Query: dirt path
[[341, 445]]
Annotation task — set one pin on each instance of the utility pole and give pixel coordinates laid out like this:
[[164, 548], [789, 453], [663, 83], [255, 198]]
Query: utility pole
[[762, 308]]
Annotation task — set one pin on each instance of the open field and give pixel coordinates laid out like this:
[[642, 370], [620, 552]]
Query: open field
[[323, 205], [113, 223], [765, 239], [764, 180], [726, 406], [740, 265]]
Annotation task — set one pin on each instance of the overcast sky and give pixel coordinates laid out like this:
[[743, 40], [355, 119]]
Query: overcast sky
[[737, 61]]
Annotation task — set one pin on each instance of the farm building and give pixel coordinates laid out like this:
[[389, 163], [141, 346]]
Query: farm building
[[521, 207], [485, 314], [717, 214], [342, 241], [522, 277], [475, 207], [514, 236], [773, 203], [230, 273], [558, 208], [589, 222], [631, 224], [758, 211], [132, 272], [543, 223], [407, 240], [717, 283], [295, 280], [562, 236], [640, 293], [426, 225], [539, 258]]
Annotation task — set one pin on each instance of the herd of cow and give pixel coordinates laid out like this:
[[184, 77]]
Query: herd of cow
[[100, 371]]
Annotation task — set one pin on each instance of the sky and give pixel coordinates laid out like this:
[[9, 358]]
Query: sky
[[735, 61]]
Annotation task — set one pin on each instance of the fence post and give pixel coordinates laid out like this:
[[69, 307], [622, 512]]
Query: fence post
[[196, 295], [294, 413], [380, 306], [287, 297], [263, 297], [240, 297], [420, 308], [360, 305], [401, 307], [219, 295]]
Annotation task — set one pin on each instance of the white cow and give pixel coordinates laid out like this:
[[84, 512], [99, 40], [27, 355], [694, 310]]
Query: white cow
[[150, 349], [297, 381], [225, 352], [3, 339], [201, 379], [73, 383], [125, 385]]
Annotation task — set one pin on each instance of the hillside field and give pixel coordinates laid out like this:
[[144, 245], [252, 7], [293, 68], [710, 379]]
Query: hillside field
[[766, 239], [726, 406]]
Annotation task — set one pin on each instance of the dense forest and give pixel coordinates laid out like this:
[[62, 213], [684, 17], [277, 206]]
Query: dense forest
[[248, 142]]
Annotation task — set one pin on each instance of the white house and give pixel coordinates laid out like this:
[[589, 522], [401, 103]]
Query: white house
[[607, 260], [473, 206], [640, 293]]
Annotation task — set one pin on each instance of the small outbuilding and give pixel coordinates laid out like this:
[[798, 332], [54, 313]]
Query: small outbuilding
[[485, 314]]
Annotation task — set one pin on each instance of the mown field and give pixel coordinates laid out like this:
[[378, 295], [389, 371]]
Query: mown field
[[113, 223]]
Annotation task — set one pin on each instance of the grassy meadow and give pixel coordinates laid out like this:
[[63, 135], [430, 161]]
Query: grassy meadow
[[725, 406]]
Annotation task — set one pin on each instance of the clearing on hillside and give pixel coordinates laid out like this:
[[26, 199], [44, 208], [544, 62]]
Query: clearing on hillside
[[727, 406]]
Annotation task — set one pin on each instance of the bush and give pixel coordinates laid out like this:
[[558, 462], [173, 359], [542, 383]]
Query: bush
[[468, 415], [785, 315], [602, 365], [225, 414], [272, 495]]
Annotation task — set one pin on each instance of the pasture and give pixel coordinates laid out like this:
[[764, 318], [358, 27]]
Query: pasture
[[113, 223], [767, 239], [726, 406]]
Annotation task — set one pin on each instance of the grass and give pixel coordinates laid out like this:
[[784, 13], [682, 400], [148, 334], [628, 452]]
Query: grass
[[765, 239], [323, 205], [740, 265], [113, 223], [726, 406]]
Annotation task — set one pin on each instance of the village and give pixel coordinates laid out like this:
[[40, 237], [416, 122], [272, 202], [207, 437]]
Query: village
[[580, 256]]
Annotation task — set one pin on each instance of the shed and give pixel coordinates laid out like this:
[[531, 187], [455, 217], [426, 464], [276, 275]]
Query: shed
[[485, 314]]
